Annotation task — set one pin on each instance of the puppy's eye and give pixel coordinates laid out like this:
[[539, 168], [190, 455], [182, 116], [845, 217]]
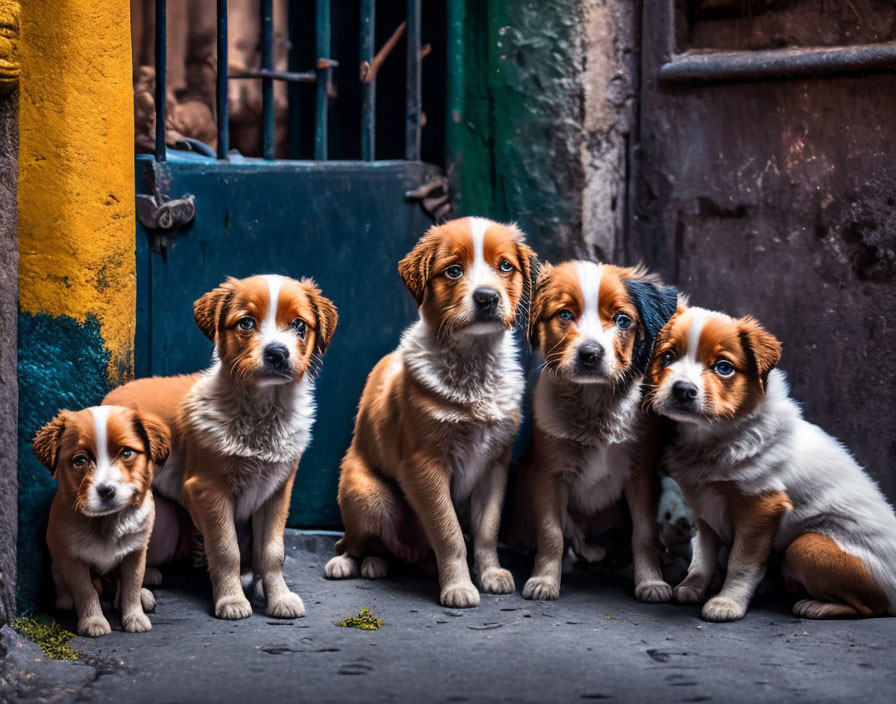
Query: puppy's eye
[[246, 323], [455, 271], [668, 357], [505, 266], [623, 321], [80, 460], [127, 453], [723, 368], [565, 315], [299, 327]]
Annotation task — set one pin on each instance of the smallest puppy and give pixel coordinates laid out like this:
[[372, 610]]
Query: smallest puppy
[[103, 459]]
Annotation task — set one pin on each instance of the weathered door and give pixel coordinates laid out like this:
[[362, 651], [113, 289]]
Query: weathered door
[[765, 184], [344, 223]]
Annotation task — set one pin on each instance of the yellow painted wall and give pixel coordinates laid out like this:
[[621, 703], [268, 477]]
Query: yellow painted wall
[[76, 168]]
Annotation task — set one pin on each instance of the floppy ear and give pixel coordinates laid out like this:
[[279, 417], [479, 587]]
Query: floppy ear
[[529, 267], [655, 304], [416, 268], [207, 310], [155, 434], [536, 303], [326, 315], [763, 348], [46, 442]]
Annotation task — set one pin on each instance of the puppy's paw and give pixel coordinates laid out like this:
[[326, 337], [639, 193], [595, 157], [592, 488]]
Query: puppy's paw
[[459, 596], [497, 581], [136, 623], [64, 602], [152, 577], [687, 594], [541, 588], [147, 600], [341, 567], [811, 608], [723, 608], [233, 608], [94, 627], [373, 568], [288, 605], [653, 591]]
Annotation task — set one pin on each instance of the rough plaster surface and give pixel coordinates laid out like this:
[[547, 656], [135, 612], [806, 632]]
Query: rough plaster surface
[[8, 382], [594, 643]]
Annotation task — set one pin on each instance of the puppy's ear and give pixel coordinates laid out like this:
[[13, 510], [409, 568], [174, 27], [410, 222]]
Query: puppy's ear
[[207, 310], [655, 304], [155, 434], [529, 268], [537, 303], [325, 312], [762, 348], [416, 268], [46, 442]]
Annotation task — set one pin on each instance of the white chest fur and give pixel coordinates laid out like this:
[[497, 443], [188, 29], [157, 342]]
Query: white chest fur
[[259, 435], [103, 542]]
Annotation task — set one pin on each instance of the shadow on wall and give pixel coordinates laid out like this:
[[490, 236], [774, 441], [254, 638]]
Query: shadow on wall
[[62, 364]]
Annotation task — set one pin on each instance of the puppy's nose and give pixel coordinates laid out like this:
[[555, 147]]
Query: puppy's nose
[[106, 492], [590, 355], [276, 354], [485, 298], [684, 391]]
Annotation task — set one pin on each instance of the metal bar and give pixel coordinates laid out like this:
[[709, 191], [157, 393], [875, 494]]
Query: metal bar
[[267, 83], [288, 76], [412, 77], [454, 99], [368, 88], [778, 63], [161, 46], [221, 84], [322, 22]]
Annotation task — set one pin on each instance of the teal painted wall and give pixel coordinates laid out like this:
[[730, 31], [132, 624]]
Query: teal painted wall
[[62, 364]]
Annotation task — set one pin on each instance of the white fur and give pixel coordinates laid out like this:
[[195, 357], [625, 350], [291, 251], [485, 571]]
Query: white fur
[[589, 325], [483, 377], [774, 449], [265, 431], [106, 471]]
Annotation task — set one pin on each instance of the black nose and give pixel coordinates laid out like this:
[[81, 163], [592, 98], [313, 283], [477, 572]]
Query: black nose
[[590, 355], [485, 298], [276, 354], [106, 492], [684, 391]]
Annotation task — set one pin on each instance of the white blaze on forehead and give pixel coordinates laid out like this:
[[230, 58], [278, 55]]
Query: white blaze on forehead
[[698, 320], [589, 275], [687, 367], [269, 324], [481, 272], [105, 472]]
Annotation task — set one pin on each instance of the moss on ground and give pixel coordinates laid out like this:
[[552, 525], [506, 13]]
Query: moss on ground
[[52, 638], [365, 620]]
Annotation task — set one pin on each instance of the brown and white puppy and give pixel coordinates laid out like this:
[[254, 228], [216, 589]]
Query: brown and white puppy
[[103, 459], [593, 326], [760, 477], [240, 428], [438, 416]]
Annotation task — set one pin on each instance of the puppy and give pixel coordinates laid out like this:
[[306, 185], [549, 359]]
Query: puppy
[[438, 416], [101, 518], [759, 476], [593, 325], [240, 428]]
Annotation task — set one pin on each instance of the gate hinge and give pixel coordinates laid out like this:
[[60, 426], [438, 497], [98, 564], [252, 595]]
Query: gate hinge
[[160, 214]]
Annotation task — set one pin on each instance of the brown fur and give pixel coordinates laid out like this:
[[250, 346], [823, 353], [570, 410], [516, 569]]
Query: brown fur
[[211, 481], [73, 536]]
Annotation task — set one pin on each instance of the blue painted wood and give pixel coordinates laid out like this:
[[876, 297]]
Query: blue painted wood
[[346, 224]]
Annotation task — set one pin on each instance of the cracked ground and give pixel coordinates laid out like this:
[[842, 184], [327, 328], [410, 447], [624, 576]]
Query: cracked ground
[[594, 643]]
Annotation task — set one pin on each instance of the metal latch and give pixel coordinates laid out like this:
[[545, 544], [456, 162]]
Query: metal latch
[[434, 197], [160, 214]]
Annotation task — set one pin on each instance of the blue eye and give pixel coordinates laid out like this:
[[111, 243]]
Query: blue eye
[[455, 271], [723, 368], [565, 315], [623, 322], [246, 323], [668, 357], [298, 327], [505, 266]]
